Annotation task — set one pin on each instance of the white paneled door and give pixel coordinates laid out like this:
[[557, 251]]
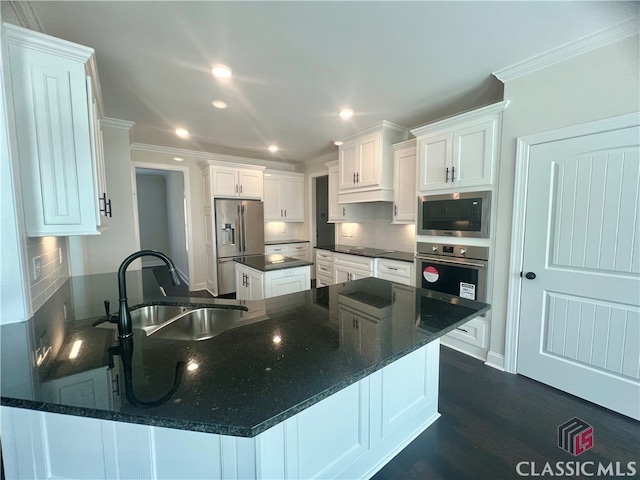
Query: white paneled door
[[580, 304]]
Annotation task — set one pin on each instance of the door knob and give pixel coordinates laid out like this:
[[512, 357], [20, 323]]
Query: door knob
[[530, 275]]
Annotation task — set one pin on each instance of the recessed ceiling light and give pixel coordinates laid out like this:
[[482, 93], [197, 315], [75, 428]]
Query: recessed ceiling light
[[337, 143], [219, 104], [182, 133], [273, 148], [178, 159], [346, 113], [220, 71]]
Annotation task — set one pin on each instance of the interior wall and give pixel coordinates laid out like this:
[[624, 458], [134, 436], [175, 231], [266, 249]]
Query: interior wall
[[176, 218], [596, 85], [105, 252], [152, 215]]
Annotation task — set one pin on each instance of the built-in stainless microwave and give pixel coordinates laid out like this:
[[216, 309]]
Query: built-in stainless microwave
[[455, 214]]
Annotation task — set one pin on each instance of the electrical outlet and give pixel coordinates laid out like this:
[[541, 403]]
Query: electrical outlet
[[37, 267]]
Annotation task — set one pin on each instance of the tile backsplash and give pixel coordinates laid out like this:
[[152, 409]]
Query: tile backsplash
[[376, 230], [283, 231], [48, 267]]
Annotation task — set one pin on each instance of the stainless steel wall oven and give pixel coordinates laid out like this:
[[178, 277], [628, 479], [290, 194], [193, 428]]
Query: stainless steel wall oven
[[459, 270]]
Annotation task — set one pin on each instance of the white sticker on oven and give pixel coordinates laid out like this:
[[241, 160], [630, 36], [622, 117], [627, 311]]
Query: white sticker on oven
[[431, 274], [467, 290]]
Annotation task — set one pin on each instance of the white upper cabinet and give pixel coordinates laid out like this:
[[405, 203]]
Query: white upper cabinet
[[366, 163], [229, 180], [460, 151], [55, 103], [339, 212], [404, 182], [283, 196]]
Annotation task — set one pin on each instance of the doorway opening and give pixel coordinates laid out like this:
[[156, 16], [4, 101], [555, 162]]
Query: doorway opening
[[325, 232], [162, 218]]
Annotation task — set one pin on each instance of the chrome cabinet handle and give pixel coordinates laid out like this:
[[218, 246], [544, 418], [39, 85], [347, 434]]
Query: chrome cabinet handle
[[354, 177], [358, 177], [453, 173], [240, 188], [395, 210], [236, 188], [344, 211], [446, 178]]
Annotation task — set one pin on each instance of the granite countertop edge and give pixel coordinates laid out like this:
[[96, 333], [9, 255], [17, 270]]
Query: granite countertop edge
[[394, 255], [282, 242], [160, 421]]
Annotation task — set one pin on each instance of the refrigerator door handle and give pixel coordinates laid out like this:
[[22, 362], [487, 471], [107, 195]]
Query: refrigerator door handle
[[239, 228], [243, 246]]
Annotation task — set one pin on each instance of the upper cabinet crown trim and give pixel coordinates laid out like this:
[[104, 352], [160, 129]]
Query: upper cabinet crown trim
[[564, 52], [458, 119], [388, 127], [36, 40]]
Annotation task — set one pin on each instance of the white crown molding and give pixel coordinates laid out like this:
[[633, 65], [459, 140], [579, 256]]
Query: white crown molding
[[24, 13], [564, 52], [376, 127], [461, 117], [215, 157], [39, 41], [116, 123]]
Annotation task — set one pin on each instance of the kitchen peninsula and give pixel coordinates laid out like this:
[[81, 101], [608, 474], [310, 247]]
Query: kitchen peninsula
[[324, 383]]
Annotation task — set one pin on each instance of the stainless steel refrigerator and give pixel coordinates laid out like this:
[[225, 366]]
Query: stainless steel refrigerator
[[239, 233]]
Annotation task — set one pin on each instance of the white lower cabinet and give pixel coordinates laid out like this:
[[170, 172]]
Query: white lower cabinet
[[324, 268], [249, 283], [350, 434], [352, 267], [396, 271], [470, 338], [253, 284]]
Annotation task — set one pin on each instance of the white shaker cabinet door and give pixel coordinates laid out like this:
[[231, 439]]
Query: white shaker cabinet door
[[51, 110]]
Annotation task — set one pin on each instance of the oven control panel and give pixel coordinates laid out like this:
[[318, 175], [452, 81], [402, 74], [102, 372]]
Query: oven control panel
[[461, 251]]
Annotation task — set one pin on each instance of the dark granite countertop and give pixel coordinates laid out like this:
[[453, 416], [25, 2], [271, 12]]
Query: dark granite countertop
[[362, 251], [281, 356], [273, 261], [282, 242]]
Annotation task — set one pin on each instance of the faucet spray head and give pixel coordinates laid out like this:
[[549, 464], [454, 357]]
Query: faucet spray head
[[175, 279]]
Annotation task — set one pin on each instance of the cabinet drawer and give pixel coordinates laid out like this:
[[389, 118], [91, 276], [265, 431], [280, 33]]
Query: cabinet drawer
[[355, 261], [472, 332], [298, 247], [392, 267], [281, 249], [324, 268], [322, 281], [324, 255]]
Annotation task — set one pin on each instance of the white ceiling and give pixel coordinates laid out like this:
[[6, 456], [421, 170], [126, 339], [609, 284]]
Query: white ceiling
[[296, 64]]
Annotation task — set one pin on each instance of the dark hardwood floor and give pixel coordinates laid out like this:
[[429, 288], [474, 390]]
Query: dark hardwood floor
[[491, 420]]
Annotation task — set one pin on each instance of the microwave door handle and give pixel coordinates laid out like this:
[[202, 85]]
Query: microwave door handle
[[451, 261]]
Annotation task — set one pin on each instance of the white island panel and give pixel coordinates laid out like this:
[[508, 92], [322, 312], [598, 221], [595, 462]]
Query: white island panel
[[350, 434]]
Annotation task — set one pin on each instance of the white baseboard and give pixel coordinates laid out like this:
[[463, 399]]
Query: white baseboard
[[495, 360]]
